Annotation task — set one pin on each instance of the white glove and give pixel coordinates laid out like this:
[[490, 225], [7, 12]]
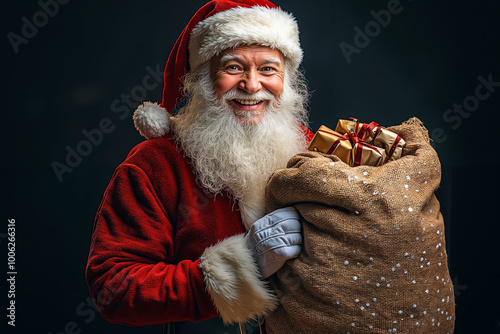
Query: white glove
[[275, 238]]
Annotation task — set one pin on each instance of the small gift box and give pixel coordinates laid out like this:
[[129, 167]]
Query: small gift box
[[331, 142], [392, 143], [366, 154], [370, 143], [363, 131]]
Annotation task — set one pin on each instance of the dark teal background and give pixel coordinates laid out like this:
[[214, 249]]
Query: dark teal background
[[67, 77]]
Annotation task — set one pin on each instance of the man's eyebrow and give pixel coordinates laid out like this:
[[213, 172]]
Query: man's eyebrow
[[229, 56], [272, 60]]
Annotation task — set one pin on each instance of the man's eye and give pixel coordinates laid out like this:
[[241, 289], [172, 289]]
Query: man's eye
[[268, 69], [232, 68]]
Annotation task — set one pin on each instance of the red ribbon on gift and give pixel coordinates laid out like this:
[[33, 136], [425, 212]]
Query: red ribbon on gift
[[368, 128], [336, 143], [356, 138], [359, 137], [393, 148]]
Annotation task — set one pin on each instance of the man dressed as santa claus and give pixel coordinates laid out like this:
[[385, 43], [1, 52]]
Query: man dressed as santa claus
[[181, 235]]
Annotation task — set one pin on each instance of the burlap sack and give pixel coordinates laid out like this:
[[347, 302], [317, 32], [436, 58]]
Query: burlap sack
[[374, 258]]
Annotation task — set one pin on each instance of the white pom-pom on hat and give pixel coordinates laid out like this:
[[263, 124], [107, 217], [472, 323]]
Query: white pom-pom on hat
[[151, 120]]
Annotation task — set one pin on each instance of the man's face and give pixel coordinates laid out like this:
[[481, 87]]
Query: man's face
[[248, 78]]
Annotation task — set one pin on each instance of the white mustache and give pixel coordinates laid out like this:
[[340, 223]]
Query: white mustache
[[242, 95]]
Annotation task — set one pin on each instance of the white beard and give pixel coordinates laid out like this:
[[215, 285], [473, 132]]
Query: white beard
[[239, 158]]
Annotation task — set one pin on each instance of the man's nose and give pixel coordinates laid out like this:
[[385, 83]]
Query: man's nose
[[250, 82]]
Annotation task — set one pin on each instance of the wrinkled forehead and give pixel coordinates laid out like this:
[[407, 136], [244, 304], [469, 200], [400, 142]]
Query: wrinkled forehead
[[251, 54]]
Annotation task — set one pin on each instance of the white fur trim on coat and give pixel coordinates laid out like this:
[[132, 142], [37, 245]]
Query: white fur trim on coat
[[233, 281], [151, 120], [237, 26]]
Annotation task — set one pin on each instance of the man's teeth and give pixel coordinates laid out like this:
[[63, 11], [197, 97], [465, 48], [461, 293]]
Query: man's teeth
[[248, 102]]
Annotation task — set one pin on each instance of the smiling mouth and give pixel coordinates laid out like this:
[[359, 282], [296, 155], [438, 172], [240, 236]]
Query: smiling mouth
[[247, 102]]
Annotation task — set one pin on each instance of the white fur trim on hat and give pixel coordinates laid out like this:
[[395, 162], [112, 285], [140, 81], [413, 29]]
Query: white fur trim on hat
[[237, 26], [151, 120], [233, 281]]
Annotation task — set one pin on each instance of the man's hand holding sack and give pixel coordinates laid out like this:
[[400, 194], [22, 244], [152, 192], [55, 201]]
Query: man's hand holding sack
[[275, 238]]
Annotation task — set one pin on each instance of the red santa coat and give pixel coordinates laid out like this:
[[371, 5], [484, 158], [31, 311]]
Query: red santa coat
[[156, 254]]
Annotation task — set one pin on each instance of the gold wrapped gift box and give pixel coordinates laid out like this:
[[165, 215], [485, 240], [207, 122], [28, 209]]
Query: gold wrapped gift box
[[328, 141], [358, 143]]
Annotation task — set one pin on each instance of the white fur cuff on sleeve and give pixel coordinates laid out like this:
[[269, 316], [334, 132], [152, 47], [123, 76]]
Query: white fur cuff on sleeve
[[233, 281]]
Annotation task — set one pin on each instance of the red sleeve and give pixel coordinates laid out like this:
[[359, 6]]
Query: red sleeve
[[128, 273]]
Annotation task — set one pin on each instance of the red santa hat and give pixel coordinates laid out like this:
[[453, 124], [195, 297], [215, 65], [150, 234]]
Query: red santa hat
[[217, 26]]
